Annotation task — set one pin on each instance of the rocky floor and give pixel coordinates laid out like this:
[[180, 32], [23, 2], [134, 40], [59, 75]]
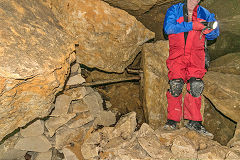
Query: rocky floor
[[79, 127]]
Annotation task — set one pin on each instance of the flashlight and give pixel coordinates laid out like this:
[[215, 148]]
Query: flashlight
[[210, 25]]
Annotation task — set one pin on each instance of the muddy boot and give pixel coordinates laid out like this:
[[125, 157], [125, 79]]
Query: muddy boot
[[170, 125], [198, 127]]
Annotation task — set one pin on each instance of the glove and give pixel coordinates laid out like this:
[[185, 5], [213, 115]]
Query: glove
[[197, 26], [206, 31]]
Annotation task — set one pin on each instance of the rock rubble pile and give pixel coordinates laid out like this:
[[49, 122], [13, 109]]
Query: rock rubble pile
[[79, 128]]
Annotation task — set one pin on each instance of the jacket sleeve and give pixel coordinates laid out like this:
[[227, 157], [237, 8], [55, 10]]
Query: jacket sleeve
[[171, 26], [215, 33]]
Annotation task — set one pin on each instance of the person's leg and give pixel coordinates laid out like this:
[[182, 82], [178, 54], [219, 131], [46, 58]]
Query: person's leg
[[192, 100], [174, 98], [176, 77]]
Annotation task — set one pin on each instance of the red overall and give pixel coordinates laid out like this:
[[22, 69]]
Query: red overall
[[185, 61]]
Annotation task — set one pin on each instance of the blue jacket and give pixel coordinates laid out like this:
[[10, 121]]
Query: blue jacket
[[174, 21]]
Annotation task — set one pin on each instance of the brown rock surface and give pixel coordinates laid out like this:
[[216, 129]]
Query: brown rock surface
[[213, 152], [183, 148], [155, 82], [108, 38], [136, 5], [223, 90], [221, 127], [35, 56], [229, 63]]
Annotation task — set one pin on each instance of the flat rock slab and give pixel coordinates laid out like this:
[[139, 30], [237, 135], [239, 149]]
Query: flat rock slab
[[223, 90], [34, 129], [36, 144], [229, 63], [53, 123], [61, 105], [155, 82]]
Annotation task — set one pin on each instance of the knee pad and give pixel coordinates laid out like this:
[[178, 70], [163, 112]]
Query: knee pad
[[176, 86], [196, 86]]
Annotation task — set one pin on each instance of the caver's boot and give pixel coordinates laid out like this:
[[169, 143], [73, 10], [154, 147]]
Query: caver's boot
[[170, 125], [198, 127]]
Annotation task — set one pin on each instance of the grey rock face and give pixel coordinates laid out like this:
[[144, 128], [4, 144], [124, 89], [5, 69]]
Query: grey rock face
[[37, 144], [35, 129]]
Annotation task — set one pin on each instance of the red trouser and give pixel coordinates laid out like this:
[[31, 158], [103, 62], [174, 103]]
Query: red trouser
[[185, 62], [191, 107]]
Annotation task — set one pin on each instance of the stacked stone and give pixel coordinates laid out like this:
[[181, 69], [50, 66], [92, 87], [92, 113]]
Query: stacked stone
[[76, 112]]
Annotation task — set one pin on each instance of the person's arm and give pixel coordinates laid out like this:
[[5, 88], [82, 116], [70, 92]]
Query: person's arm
[[215, 33], [171, 26]]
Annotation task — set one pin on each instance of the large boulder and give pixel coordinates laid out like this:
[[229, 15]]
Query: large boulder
[[229, 63], [155, 82], [216, 123], [223, 90], [35, 56], [107, 38]]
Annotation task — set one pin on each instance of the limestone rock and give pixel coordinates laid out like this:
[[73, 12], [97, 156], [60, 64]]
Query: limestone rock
[[216, 123], [106, 133], [77, 79], [7, 150], [53, 123], [114, 144], [78, 106], [75, 68], [125, 150], [136, 5], [94, 102], [108, 38], [35, 59], [183, 148], [69, 155], [61, 105], [105, 118], [80, 120], [13, 154], [224, 93], [167, 137], [93, 138], [125, 126], [90, 147], [34, 129], [76, 93], [153, 147], [44, 156], [36, 144], [66, 135], [233, 155], [155, 82], [213, 153], [144, 130], [229, 63], [89, 151]]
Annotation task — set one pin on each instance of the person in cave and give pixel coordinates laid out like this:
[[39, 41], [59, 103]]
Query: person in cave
[[187, 61]]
